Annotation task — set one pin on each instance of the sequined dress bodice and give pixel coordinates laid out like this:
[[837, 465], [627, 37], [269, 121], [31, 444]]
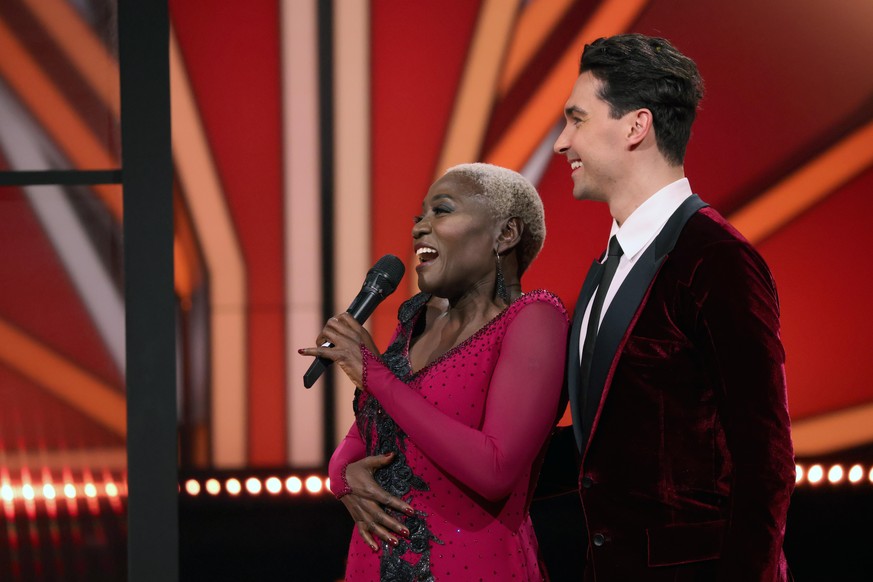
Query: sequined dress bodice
[[468, 431]]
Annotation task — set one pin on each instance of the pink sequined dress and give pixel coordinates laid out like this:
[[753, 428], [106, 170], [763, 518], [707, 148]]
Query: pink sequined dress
[[469, 432]]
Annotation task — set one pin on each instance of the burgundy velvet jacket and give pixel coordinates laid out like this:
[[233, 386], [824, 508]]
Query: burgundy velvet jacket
[[689, 467]]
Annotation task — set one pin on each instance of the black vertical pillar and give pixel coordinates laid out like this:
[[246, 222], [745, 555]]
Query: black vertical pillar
[[153, 552], [325, 92]]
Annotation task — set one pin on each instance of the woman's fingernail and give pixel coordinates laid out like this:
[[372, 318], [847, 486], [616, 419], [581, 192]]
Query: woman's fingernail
[[409, 511], [404, 532], [374, 548], [393, 541], [300, 351]]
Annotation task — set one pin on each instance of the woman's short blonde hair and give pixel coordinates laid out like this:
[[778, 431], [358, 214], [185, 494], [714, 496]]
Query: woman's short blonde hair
[[509, 195]]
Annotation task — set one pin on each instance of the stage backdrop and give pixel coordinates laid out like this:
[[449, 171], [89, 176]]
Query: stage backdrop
[[305, 135]]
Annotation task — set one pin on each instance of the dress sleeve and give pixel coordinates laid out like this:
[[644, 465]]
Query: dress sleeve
[[351, 449], [739, 327], [520, 410]]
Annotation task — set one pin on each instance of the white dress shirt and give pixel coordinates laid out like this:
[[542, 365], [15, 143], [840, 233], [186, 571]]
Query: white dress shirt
[[635, 235]]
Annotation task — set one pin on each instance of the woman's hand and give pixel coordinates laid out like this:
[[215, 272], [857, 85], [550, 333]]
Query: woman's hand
[[346, 335], [367, 501]]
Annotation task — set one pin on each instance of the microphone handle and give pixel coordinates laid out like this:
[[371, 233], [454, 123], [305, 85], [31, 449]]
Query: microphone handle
[[316, 368], [361, 308]]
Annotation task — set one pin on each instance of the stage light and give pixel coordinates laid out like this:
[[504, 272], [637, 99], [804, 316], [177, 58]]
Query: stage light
[[253, 485], [90, 490], [798, 473], [293, 485], [871, 475], [314, 484], [192, 487], [213, 487], [111, 489], [27, 491], [274, 485], [233, 486], [48, 491], [6, 493], [835, 474], [70, 491], [856, 473], [815, 474]]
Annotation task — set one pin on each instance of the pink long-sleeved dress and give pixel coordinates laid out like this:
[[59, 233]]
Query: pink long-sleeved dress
[[469, 431]]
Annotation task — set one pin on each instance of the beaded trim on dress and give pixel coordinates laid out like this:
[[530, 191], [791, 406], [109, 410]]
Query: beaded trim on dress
[[382, 435]]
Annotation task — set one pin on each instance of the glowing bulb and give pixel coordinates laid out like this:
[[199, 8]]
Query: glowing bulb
[[213, 487], [111, 489], [274, 485], [192, 486], [294, 484], [90, 490], [835, 474], [27, 491], [798, 474], [856, 473], [253, 485], [314, 484], [815, 474], [871, 475], [233, 486], [48, 491], [70, 491], [6, 493]]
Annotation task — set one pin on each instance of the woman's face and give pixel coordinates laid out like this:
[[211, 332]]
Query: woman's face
[[454, 239]]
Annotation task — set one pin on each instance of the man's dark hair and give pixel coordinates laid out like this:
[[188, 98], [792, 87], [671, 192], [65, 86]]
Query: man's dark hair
[[638, 71]]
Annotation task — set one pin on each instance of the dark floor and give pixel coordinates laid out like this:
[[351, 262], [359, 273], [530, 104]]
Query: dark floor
[[289, 538], [829, 537]]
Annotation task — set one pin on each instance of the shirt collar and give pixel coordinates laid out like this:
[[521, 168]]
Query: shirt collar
[[646, 221]]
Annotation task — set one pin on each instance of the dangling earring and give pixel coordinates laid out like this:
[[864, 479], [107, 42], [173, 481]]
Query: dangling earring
[[501, 282]]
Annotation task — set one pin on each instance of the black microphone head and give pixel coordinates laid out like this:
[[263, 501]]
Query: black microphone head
[[392, 269]]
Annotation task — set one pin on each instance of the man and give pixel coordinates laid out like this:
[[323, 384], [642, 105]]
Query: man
[[678, 397]]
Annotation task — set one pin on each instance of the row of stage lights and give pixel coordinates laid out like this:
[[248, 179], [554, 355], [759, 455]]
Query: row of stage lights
[[817, 474], [52, 491], [807, 475], [314, 485], [812, 475]]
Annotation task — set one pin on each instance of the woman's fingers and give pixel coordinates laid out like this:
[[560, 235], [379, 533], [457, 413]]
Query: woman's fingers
[[364, 531], [399, 505], [372, 490], [377, 529], [373, 523]]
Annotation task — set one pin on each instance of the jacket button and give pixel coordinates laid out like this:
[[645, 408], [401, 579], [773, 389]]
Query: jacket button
[[587, 482], [598, 539]]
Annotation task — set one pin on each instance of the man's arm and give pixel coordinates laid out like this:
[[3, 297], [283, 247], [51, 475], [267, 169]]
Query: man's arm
[[739, 333]]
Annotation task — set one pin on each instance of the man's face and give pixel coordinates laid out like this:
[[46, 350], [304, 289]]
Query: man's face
[[593, 142]]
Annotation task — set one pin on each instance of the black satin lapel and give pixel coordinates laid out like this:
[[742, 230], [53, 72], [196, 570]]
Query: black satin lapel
[[626, 303], [588, 288], [616, 321]]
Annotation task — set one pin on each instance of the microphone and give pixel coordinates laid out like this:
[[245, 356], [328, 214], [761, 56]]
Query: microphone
[[380, 282]]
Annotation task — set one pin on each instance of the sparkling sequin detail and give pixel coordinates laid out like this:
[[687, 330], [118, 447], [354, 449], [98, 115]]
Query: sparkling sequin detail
[[382, 435], [481, 540], [346, 489]]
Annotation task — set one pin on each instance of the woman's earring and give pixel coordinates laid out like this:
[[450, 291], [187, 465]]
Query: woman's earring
[[501, 282]]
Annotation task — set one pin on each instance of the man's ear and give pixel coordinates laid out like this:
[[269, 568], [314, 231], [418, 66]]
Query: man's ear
[[640, 126], [510, 235]]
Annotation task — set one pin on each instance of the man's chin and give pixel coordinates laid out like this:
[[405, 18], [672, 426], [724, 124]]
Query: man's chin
[[580, 193]]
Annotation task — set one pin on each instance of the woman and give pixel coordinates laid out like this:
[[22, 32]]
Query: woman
[[452, 420]]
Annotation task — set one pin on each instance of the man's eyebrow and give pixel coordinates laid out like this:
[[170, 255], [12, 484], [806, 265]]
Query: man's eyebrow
[[575, 110]]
